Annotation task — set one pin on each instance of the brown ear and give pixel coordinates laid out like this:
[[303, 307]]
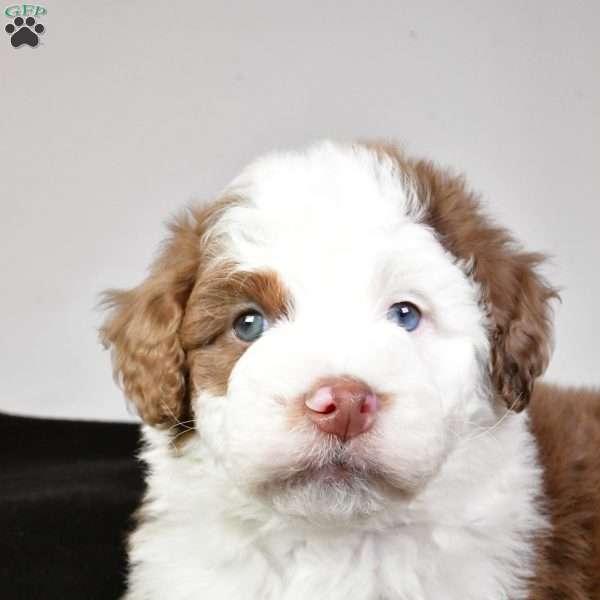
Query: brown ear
[[142, 328], [516, 296], [518, 299]]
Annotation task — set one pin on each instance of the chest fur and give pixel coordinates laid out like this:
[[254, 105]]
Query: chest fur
[[408, 563]]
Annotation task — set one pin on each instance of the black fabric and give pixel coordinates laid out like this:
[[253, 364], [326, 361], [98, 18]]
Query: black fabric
[[67, 492]]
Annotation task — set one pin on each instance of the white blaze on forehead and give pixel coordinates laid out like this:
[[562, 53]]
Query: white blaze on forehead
[[328, 202], [340, 224]]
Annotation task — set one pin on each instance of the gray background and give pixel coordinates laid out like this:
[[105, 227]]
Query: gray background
[[129, 110]]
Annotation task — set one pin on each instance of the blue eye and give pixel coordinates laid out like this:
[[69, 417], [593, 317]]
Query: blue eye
[[405, 314], [249, 326]]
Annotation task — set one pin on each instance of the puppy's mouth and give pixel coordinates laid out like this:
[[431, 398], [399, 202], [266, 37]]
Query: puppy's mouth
[[332, 472], [337, 471], [329, 481], [331, 492], [340, 471]]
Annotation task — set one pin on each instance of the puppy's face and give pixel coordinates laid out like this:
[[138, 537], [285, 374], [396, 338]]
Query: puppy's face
[[330, 331]]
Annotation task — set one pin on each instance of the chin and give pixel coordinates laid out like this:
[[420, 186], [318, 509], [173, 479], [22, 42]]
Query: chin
[[343, 487], [336, 364]]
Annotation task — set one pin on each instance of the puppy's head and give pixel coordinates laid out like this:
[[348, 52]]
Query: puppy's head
[[332, 327]]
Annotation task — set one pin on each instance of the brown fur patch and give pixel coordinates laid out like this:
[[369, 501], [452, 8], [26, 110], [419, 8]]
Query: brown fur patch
[[142, 328], [171, 335], [516, 297], [220, 295], [566, 424]]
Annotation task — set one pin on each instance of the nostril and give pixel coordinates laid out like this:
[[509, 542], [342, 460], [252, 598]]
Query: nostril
[[322, 401], [370, 404]]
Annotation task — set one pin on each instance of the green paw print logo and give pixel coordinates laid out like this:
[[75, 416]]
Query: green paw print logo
[[24, 29]]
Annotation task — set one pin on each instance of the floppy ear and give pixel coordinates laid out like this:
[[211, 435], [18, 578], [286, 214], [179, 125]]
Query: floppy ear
[[518, 300], [142, 328], [516, 297]]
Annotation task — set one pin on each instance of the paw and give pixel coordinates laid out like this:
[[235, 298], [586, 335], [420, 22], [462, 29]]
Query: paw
[[24, 32]]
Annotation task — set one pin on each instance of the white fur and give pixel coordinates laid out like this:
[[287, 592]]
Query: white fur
[[453, 511]]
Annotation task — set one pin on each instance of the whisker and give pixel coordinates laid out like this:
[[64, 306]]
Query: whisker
[[178, 423], [181, 433], [489, 430], [183, 424]]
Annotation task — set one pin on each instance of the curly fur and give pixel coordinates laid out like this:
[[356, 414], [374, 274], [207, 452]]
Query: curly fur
[[457, 492]]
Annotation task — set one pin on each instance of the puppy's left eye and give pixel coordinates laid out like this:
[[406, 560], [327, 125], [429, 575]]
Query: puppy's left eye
[[250, 325], [405, 314]]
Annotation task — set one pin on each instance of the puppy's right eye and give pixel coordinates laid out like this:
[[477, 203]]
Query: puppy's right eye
[[405, 314], [250, 325]]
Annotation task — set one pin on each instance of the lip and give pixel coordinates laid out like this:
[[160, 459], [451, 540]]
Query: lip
[[331, 472]]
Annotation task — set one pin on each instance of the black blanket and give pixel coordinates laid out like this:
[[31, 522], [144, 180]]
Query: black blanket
[[67, 490]]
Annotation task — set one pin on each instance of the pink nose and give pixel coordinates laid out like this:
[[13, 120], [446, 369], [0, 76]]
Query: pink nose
[[344, 408]]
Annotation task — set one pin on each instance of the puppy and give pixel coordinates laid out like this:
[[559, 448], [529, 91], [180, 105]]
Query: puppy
[[333, 362]]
